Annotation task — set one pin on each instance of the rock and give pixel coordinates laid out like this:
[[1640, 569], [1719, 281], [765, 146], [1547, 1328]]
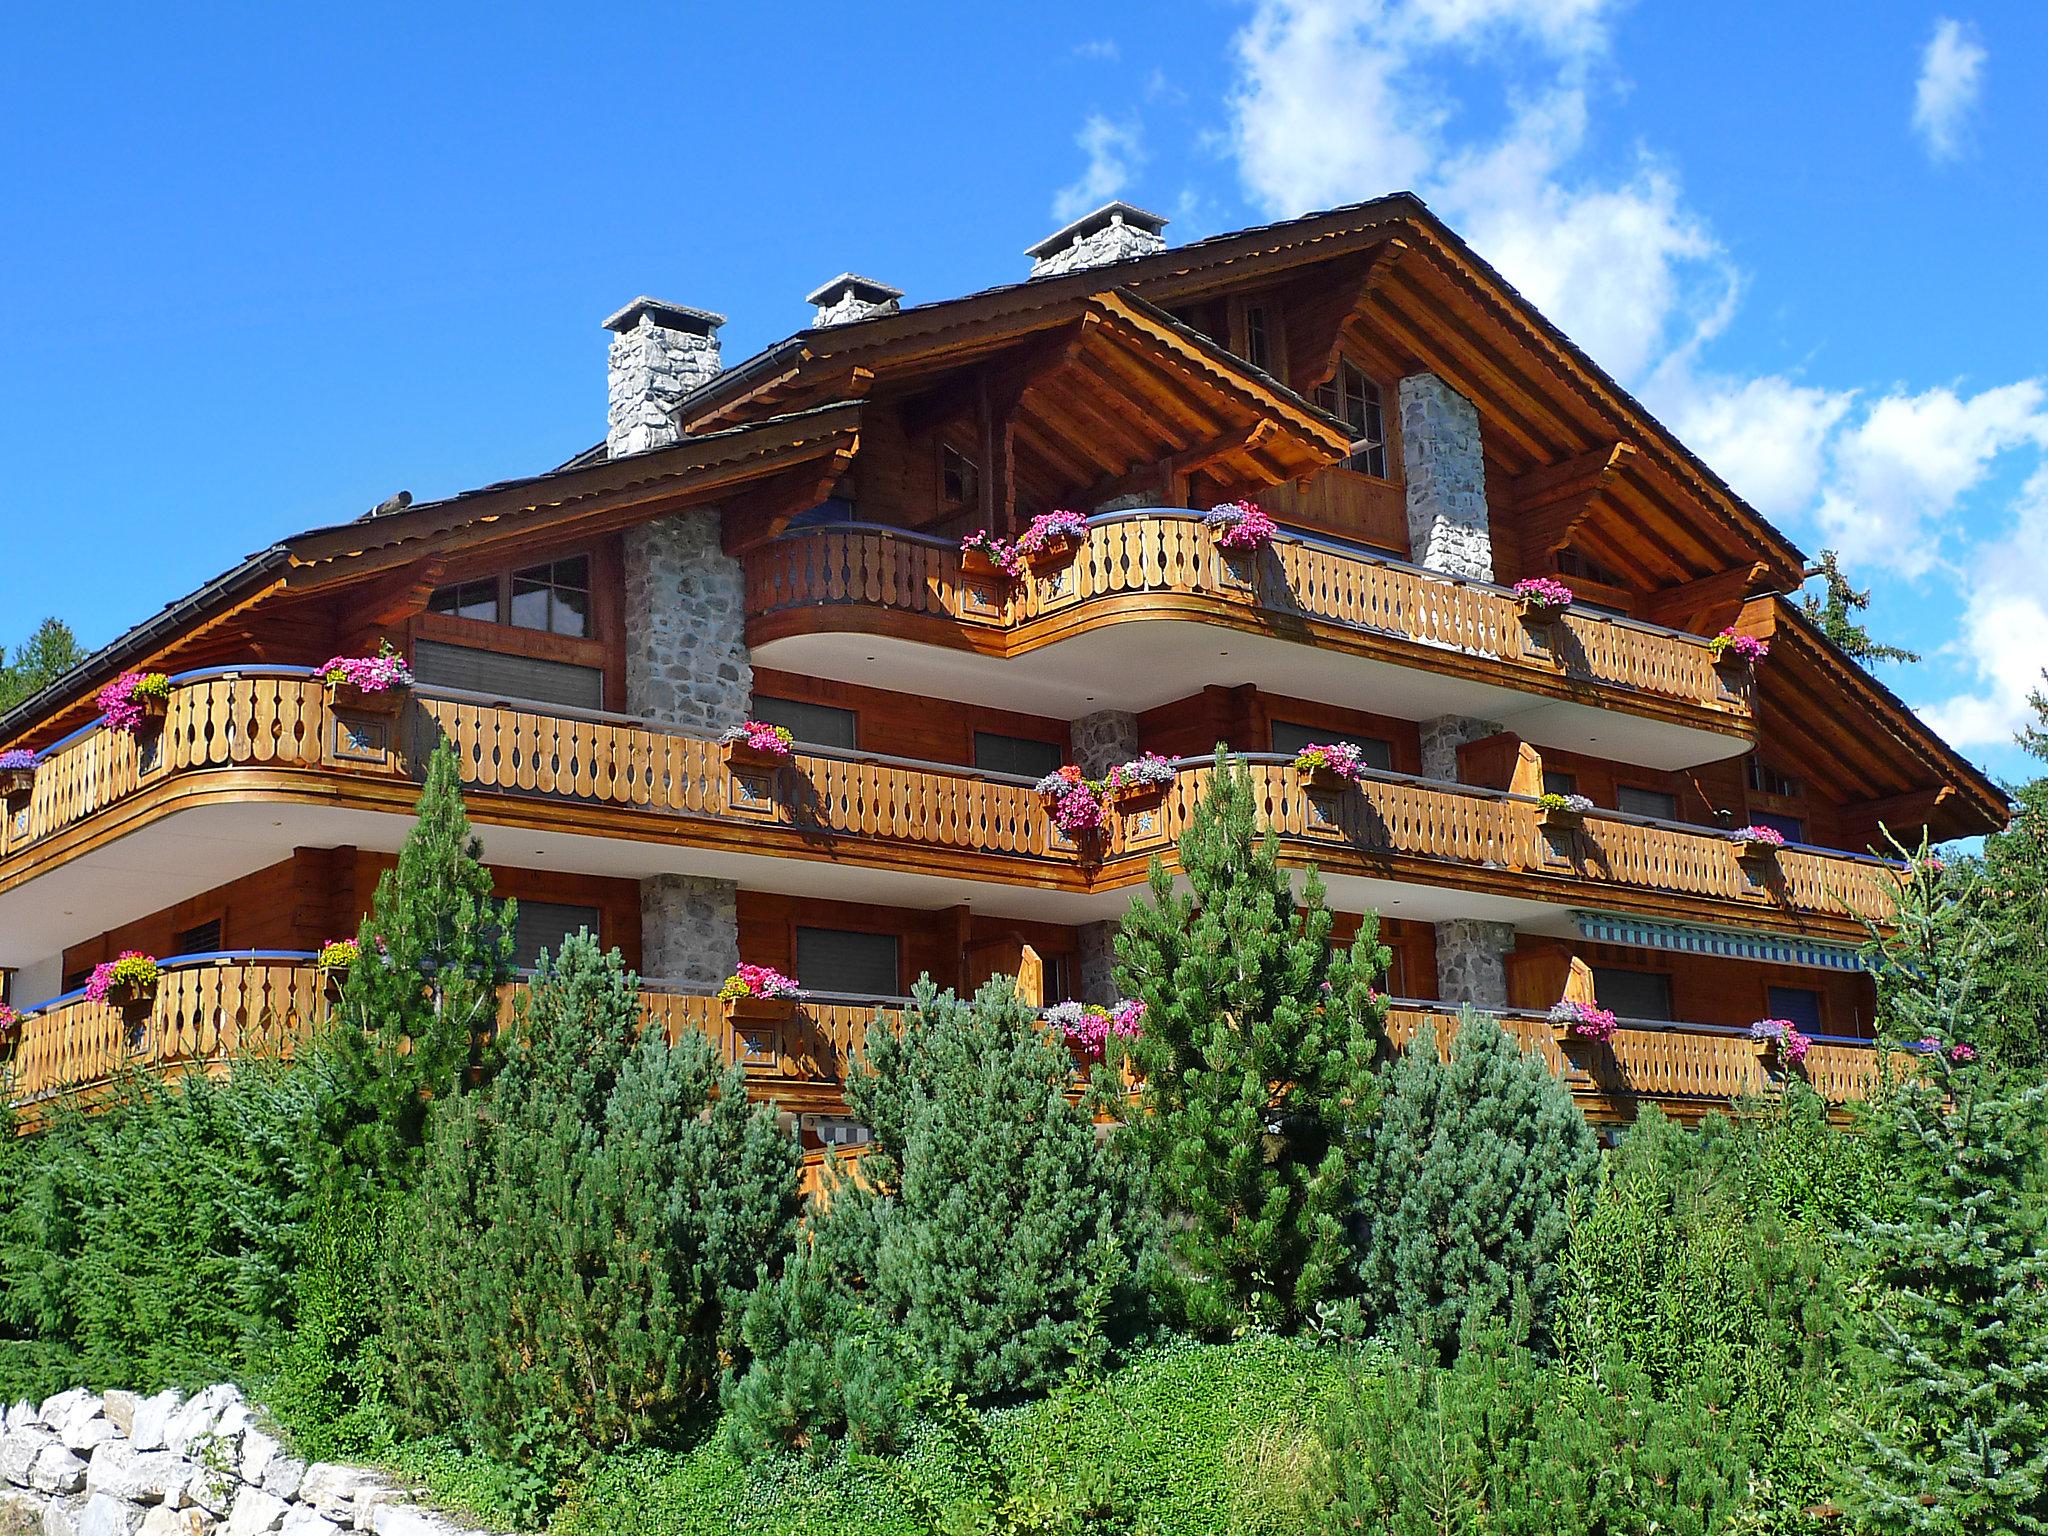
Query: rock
[[19, 1449], [141, 1477], [199, 1419], [210, 1487], [119, 1407], [165, 1521], [57, 1471], [333, 1489], [105, 1515], [59, 1410], [60, 1517], [411, 1520], [259, 1450], [302, 1521], [152, 1415], [82, 1434], [18, 1416], [284, 1476], [20, 1512], [255, 1513]]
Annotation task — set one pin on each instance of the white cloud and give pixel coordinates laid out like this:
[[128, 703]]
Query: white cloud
[[1951, 81], [1115, 151], [1102, 48], [2004, 635], [1766, 437]]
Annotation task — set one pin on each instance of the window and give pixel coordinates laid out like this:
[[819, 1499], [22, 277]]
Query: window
[[838, 960], [552, 598], [1766, 780], [959, 478], [201, 939], [1559, 781], [1020, 755], [1355, 400], [1633, 994], [1791, 828], [1646, 802], [1571, 563], [1258, 341], [507, 677], [542, 925], [817, 725], [1290, 737], [1800, 1005]]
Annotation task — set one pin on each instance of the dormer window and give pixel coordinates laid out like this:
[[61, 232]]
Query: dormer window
[[1258, 342], [959, 477], [1354, 399], [552, 598]]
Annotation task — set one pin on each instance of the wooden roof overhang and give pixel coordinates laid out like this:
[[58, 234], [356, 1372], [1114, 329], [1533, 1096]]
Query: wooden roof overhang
[[1842, 728]]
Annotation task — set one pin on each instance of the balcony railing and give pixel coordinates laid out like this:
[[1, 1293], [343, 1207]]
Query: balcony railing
[[270, 732], [208, 1010], [1383, 606]]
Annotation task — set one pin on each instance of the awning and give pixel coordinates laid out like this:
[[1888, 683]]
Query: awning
[[1684, 939]]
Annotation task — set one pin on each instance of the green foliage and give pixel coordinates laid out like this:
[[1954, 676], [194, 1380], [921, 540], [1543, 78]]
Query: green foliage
[[419, 1001], [1257, 1053], [991, 1243], [2007, 890], [1465, 1191], [38, 662], [570, 1274], [1499, 1445], [1834, 614]]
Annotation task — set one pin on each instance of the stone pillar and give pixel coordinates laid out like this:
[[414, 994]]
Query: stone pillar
[[1098, 963], [659, 353], [689, 929], [1441, 739], [1446, 474], [687, 662], [1470, 956], [1104, 739]]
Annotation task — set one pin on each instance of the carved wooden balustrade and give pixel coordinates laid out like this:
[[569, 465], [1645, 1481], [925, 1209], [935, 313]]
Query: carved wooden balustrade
[[259, 733], [1171, 561], [206, 1012]]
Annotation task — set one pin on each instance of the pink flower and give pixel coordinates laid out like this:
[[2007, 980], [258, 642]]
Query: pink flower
[[382, 673], [758, 981], [1748, 647], [1587, 1019], [1770, 837], [1240, 525], [1049, 528], [120, 702], [1544, 592], [1001, 553], [1961, 1051]]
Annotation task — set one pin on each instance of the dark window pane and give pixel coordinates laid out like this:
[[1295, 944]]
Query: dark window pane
[[467, 600], [201, 940], [1021, 755], [542, 925], [1791, 828], [1633, 994], [836, 960], [1290, 737], [1798, 1004], [574, 572], [819, 725], [1557, 781], [1257, 350], [960, 480], [1646, 802]]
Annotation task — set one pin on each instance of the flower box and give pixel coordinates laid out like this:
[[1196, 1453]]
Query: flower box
[[1577, 1048], [131, 994], [368, 685], [760, 1010], [1139, 797], [1052, 540], [355, 699], [738, 754], [756, 745], [16, 782], [1758, 845], [1055, 553], [1325, 780], [979, 562]]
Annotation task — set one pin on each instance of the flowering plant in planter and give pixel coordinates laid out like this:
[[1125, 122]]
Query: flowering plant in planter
[[385, 672], [1730, 648], [129, 979], [10, 1023], [1139, 779], [1052, 535], [1563, 810], [1543, 594], [762, 981], [132, 699], [1330, 764], [1782, 1036], [1076, 803], [17, 771], [1588, 1021], [1240, 526], [983, 547], [757, 739], [338, 955], [1089, 1027], [1756, 839]]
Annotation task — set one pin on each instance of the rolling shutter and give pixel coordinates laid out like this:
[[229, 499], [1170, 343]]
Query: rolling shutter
[[520, 678]]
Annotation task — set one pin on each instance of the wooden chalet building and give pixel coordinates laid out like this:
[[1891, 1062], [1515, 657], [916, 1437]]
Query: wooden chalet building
[[781, 539]]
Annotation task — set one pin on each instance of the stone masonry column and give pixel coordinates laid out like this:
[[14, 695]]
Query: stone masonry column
[[1098, 963], [659, 353], [1470, 961], [1441, 738], [1104, 739], [1446, 474], [687, 662], [689, 929]]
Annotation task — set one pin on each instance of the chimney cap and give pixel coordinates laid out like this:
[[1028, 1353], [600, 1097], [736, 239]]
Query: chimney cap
[[674, 317], [865, 289], [1108, 214]]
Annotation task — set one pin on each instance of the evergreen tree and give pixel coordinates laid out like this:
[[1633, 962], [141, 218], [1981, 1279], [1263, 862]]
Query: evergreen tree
[[1257, 1059], [422, 996], [2033, 736], [44, 657], [1950, 1358], [1465, 1194], [2008, 887], [1834, 613], [572, 1272]]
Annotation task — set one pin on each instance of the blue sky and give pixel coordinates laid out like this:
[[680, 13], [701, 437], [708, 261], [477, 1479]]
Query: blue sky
[[264, 266]]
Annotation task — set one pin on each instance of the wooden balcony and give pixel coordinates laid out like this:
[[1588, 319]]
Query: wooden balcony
[[1161, 564], [208, 1011], [270, 736]]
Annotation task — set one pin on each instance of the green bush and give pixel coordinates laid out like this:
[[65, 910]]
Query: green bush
[[1466, 1188], [570, 1273]]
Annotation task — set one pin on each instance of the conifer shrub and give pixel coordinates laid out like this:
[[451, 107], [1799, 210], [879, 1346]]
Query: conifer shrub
[[570, 1274], [1257, 1058], [1466, 1187]]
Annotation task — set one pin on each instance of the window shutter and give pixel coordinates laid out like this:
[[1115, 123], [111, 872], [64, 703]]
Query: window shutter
[[516, 678], [837, 960], [542, 925]]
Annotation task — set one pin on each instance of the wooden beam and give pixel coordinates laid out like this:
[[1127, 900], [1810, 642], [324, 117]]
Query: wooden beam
[[398, 596], [752, 518], [1550, 503], [1682, 606]]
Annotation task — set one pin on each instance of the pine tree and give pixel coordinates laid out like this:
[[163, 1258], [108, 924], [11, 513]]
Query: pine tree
[[1257, 1058], [423, 994], [2033, 736], [573, 1271], [2008, 885], [44, 657], [1950, 1357], [1465, 1195], [1834, 611]]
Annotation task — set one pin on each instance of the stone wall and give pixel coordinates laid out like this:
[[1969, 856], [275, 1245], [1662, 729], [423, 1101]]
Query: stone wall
[[126, 1465], [1098, 964], [1446, 473], [1103, 740], [1470, 956], [689, 929], [687, 661], [652, 366], [1441, 738]]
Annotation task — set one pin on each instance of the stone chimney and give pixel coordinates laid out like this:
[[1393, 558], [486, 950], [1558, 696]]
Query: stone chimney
[[847, 298], [1114, 232], [659, 353]]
